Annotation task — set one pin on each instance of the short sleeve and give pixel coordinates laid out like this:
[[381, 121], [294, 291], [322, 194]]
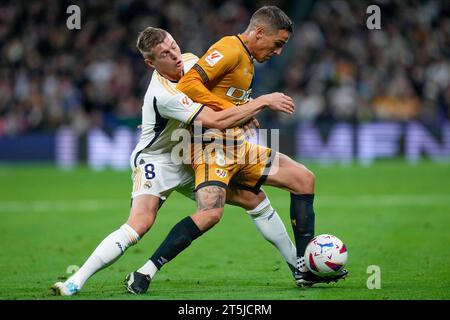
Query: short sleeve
[[179, 107], [217, 61]]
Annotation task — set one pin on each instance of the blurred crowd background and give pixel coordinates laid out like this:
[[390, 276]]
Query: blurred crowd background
[[333, 66]]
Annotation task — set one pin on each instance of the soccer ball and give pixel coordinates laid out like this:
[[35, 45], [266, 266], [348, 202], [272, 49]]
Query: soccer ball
[[325, 255]]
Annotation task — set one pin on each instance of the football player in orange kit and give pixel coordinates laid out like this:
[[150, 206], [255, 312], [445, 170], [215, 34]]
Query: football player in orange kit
[[222, 79]]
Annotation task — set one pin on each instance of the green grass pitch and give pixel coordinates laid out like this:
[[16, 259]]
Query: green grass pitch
[[392, 215]]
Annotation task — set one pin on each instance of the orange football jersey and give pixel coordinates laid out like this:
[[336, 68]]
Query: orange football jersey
[[226, 72]]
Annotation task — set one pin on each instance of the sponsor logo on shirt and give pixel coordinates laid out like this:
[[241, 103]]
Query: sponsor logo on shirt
[[239, 94]]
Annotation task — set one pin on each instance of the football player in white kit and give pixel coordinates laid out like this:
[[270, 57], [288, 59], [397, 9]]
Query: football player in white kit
[[155, 175]]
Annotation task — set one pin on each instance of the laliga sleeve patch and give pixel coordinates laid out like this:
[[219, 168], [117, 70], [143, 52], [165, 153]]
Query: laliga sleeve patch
[[186, 101], [213, 58]]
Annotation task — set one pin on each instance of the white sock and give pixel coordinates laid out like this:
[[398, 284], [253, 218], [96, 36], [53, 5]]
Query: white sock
[[149, 269], [108, 251], [269, 224]]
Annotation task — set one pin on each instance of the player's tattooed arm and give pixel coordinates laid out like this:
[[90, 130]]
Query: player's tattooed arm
[[210, 197]]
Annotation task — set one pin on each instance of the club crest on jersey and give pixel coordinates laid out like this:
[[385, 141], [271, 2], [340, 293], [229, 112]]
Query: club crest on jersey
[[213, 58], [186, 101], [221, 173], [147, 185]]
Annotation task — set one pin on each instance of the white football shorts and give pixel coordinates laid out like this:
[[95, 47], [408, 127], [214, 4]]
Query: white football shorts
[[157, 175]]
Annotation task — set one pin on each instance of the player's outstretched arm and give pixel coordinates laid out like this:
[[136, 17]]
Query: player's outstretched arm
[[276, 102], [233, 117]]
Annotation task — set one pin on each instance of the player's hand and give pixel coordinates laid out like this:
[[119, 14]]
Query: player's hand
[[249, 127], [278, 101], [254, 123]]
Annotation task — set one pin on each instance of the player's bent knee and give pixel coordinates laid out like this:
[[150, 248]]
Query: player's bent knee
[[143, 227], [255, 200], [141, 220], [246, 199], [213, 216], [304, 181], [309, 178], [206, 219]]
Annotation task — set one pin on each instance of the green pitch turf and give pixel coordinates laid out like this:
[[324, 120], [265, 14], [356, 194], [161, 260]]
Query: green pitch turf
[[391, 215]]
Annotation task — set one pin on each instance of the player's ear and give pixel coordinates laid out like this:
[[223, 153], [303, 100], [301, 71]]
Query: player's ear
[[259, 32], [150, 63]]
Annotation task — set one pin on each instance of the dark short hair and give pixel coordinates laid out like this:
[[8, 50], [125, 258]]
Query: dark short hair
[[273, 17], [149, 38]]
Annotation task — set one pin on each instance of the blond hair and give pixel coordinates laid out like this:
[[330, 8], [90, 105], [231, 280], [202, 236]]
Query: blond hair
[[149, 38]]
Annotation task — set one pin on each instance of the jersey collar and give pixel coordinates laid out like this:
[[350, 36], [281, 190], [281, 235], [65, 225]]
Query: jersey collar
[[173, 81], [239, 36]]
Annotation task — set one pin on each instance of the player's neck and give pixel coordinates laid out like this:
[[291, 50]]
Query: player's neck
[[173, 78], [248, 41]]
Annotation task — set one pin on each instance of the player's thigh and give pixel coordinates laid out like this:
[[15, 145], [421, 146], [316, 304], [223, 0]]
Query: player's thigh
[[154, 179], [254, 169], [187, 186], [290, 175], [210, 197], [245, 198]]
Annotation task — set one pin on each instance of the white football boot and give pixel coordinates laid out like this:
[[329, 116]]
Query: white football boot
[[65, 289]]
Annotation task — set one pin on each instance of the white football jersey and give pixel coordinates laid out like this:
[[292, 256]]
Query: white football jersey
[[165, 109]]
